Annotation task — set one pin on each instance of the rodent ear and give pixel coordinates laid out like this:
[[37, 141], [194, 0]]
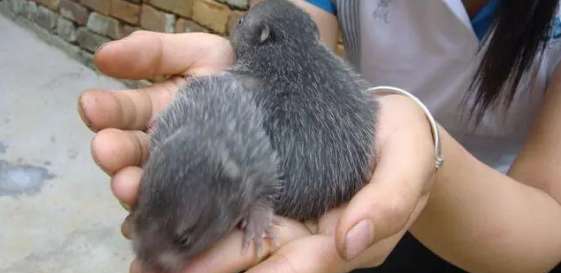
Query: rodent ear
[[232, 169], [265, 34]]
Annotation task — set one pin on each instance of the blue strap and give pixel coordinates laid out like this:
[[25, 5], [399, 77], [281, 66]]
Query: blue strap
[[481, 22], [326, 5]]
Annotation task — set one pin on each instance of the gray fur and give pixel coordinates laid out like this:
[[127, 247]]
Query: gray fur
[[319, 119], [287, 129], [211, 167]]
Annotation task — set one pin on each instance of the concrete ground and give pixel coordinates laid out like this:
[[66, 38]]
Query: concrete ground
[[57, 213]]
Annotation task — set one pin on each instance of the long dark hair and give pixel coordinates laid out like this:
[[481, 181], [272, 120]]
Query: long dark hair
[[517, 36]]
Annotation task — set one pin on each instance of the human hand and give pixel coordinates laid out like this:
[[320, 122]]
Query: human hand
[[391, 202], [120, 119]]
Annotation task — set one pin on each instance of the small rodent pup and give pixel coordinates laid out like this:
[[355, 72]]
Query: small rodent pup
[[211, 167], [288, 129], [319, 117]]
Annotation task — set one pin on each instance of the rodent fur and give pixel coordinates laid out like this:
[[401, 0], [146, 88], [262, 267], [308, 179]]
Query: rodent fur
[[287, 129], [320, 119], [211, 166]]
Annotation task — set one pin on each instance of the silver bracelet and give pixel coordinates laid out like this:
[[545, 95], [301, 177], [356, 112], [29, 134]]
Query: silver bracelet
[[439, 160]]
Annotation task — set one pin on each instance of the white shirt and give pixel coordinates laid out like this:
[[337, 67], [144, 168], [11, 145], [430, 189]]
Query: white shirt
[[430, 49]]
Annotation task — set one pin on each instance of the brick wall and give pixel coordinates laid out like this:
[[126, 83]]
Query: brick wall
[[81, 26], [88, 23]]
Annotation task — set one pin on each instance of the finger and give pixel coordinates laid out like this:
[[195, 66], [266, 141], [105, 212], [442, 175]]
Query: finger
[[383, 207], [312, 254], [126, 227], [328, 222], [227, 256], [128, 110], [124, 185], [288, 258], [377, 253], [135, 267], [113, 149], [146, 54]]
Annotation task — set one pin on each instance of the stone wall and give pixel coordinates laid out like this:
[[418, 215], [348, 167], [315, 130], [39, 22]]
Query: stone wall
[[81, 26]]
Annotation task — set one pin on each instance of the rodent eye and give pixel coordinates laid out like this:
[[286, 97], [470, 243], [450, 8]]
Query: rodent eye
[[242, 18], [184, 240]]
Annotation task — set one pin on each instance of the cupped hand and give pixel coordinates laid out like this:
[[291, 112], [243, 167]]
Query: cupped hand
[[121, 118], [359, 234]]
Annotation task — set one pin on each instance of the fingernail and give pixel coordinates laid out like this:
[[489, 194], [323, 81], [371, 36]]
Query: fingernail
[[82, 111], [358, 238], [125, 205], [126, 228]]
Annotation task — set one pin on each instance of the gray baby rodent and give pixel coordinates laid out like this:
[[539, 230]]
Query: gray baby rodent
[[288, 129], [211, 166], [320, 119]]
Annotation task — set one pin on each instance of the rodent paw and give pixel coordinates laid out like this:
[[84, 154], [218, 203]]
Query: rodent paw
[[257, 225]]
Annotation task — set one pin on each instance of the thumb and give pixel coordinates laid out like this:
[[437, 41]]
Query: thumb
[[384, 206]]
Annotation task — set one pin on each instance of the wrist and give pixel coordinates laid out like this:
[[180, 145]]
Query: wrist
[[434, 127], [402, 121]]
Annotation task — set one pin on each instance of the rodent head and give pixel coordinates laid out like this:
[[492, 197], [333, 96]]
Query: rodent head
[[273, 26], [192, 194]]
